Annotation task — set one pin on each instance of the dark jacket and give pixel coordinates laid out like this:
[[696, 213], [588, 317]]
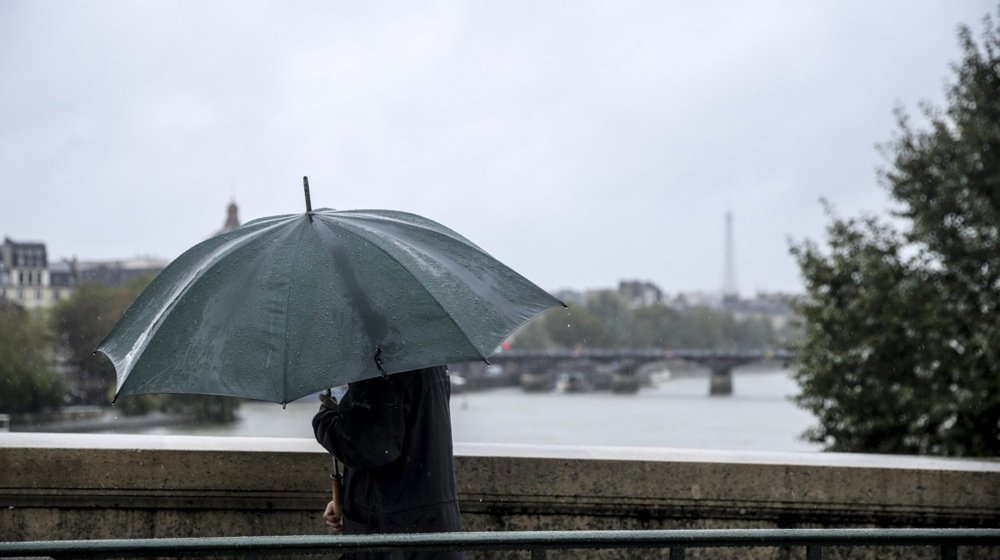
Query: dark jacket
[[393, 436]]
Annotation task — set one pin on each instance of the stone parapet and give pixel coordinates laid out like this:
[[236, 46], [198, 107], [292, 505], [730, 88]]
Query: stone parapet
[[59, 486], [654, 488]]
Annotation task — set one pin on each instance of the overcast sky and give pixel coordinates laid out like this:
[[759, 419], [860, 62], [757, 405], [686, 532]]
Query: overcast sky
[[580, 142]]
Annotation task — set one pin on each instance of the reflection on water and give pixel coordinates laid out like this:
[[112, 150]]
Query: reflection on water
[[675, 413]]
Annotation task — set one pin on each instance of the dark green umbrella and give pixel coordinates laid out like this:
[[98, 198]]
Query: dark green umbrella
[[286, 306]]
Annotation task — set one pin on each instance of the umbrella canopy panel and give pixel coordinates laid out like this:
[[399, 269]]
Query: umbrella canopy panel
[[286, 306]]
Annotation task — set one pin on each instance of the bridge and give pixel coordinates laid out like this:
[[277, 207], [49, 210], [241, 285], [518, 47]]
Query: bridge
[[625, 363]]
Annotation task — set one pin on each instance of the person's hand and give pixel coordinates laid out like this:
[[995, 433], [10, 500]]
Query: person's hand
[[333, 521], [328, 402]]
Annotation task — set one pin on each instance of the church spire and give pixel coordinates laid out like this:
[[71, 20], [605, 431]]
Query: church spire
[[232, 217]]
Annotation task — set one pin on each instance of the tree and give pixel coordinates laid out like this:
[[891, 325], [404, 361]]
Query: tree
[[84, 320], [614, 317], [656, 326], [901, 345], [576, 327], [27, 380], [81, 322], [205, 409]]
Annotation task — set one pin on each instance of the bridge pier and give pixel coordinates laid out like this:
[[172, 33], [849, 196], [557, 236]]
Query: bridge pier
[[720, 381]]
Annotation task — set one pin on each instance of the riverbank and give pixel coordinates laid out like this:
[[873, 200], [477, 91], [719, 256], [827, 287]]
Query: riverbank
[[95, 419]]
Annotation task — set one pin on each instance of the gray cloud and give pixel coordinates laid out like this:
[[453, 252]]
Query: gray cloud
[[581, 143]]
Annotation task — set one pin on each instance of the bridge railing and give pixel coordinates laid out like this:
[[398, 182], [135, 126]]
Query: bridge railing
[[642, 354], [538, 543]]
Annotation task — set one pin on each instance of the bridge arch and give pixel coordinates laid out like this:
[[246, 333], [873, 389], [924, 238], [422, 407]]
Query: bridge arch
[[636, 362]]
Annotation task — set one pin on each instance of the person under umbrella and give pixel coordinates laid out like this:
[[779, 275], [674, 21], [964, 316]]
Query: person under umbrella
[[393, 435], [261, 312]]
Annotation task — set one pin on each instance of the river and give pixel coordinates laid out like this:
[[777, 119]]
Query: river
[[676, 412]]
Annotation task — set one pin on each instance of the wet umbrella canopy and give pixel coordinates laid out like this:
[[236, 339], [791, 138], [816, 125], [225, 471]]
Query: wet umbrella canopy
[[286, 306]]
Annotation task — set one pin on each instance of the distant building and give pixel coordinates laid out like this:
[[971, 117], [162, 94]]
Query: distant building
[[775, 308], [29, 280], [62, 280], [24, 274], [637, 294], [689, 300], [115, 272]]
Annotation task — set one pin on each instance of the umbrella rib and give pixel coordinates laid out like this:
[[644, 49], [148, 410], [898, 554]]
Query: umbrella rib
[[288, 300], [445, 232], [373, 216], [350, 231], [154, 325]]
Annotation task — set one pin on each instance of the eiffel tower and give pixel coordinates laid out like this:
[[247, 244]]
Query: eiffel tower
[[730, 292]]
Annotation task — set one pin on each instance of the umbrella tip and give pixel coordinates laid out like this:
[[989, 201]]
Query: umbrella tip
[[305, 187]]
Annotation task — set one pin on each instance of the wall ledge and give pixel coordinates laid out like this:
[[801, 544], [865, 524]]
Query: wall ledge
[[91, 485], [567, 452]]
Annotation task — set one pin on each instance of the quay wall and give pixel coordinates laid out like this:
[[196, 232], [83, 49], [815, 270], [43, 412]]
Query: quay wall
[[75, 486]]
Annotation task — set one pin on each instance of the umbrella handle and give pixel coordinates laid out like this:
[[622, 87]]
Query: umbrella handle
[[337, 495], [336, 479]]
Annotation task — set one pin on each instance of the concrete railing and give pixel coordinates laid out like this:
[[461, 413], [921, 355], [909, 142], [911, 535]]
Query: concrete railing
[[56, 486]]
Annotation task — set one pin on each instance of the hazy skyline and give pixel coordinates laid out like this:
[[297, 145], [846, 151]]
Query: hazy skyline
[[581, 143]]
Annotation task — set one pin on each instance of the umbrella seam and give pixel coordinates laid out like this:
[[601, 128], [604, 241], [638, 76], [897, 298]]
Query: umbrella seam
[[373, 216], [288, 299], [424, 288], [161, 314]]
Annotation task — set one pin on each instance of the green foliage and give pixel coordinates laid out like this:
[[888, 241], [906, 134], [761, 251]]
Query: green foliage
[[901, 346], [576, 327], [202, 409], [27, 381], [81, 322], [137, 405], [606, 322], [210, 409]]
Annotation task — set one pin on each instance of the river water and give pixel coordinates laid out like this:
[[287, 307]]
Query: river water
[[676, 412]]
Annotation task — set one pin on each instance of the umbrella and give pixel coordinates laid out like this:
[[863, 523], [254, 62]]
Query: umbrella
[[288, 305]]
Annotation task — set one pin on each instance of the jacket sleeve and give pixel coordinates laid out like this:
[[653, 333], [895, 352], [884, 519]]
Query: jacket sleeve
[[368, 429]]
